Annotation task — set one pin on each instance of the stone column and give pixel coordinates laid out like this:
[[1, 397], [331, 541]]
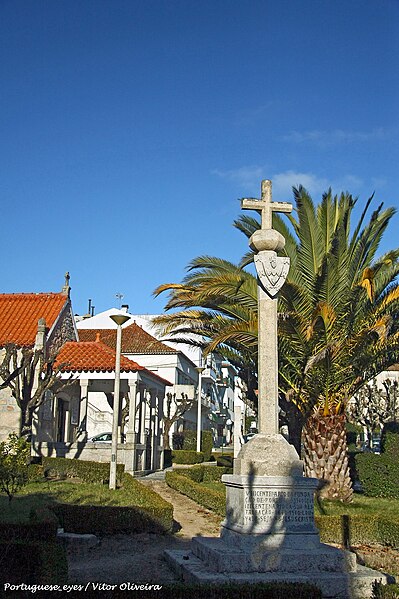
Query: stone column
[[84, 398], [132, 393]]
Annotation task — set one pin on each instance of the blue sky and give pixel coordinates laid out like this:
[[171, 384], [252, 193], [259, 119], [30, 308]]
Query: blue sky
[[128, 129]]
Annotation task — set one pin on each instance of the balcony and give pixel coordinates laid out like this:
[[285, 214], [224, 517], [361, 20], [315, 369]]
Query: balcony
[[209, 374]]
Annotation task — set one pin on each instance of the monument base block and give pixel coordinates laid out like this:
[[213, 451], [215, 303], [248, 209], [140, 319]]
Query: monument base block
[[269, 535]]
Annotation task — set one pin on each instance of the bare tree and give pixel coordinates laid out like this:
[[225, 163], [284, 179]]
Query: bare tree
[[373, 406], [176, 407], [28, 374]]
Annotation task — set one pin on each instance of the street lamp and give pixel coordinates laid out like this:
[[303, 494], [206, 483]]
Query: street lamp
[[200, 369], [119, 320]]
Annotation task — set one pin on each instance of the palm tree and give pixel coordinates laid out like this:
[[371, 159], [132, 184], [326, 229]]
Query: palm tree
[[337, 324]]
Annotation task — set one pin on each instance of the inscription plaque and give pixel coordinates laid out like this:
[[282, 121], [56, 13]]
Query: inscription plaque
[[267, 506]]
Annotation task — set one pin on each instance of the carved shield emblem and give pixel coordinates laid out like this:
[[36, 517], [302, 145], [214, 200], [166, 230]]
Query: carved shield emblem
[[272, 270]]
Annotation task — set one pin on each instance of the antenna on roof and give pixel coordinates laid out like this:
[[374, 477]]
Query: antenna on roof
[[119, 296], [92, 310]]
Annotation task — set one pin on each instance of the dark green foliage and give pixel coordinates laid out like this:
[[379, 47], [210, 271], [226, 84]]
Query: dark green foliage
[[42, 526], [148, 512], [358, 530], [35, 471], [33, 562], [181, 590], [378, 474], [88, 472], [382, 591], [178, 441], [183, 456], [226, 461], [390, 439], [189, 440], [208, 498], [202, 473]]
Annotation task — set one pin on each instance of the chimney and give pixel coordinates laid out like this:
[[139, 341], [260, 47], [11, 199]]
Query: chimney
[[125, 308]]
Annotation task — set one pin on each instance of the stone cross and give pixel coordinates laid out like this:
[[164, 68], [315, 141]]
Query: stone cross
[[272, 271], [265, 206]]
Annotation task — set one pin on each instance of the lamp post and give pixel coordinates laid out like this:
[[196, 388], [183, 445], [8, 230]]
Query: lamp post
[[119, 320], [200, 369]]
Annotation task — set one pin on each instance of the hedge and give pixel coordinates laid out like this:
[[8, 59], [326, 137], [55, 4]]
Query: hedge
[[147, 513], [378, 474], [183, 456], [202, 473], [390, 439], [42, 526], [272, 590], [86, 471], [190, 442], [32, 562], [208, 498], [358, 530]]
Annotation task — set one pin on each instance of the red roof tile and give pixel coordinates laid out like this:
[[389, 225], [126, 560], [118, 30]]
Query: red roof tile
[[91, 356], [134, 340], [20, 312]]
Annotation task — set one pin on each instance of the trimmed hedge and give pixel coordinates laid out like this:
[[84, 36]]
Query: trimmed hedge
[[147, 513], [206, 474], [33, 562], [390, 439], [42, 526], [190, 442], [208, 498], [378, 474], [86, 471], [35, 471], [183, 456], [181, 590], [358, 530]]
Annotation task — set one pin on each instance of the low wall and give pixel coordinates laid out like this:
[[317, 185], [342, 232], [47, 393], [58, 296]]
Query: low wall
[[133, 456]]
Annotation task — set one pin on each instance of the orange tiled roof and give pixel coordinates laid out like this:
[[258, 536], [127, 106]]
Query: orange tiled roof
[[134, 340], [20, 312], [91, 356]]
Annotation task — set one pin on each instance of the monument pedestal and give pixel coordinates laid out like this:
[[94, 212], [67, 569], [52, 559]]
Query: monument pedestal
[[269, 534]]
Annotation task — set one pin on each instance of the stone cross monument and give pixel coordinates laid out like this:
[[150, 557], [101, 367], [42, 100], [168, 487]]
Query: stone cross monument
[[269, 532], [272, 272]]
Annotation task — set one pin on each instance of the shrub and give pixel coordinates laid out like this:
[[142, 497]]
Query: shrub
[[208, 498], [202, 473], [181, 590], [225, 460], [378, 474], [41, 526], [35, 471], [358, 530], [390, 439], [14, 457], [34, 562], [183, 456], [177, 441], [190, 442], [147, 512], [86, 471]]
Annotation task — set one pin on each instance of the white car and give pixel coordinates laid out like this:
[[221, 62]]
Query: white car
[[101, 438]]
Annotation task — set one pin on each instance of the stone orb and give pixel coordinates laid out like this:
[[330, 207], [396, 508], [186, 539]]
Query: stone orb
[[267, 239]]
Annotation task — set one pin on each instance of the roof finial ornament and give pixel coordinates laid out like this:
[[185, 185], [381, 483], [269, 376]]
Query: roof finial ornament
[[66, 288]]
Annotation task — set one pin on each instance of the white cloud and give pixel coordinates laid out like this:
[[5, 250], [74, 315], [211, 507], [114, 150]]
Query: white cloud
[[248, 179], [338, 136]]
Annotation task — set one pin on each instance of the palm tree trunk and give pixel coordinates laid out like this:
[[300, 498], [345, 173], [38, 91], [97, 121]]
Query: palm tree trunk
[[325, 454]]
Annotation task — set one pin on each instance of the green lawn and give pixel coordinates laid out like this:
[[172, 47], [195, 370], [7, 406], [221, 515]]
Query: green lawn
[[361, 505]]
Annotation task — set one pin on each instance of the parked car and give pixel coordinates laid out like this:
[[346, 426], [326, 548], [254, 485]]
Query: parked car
[[101, 438]]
